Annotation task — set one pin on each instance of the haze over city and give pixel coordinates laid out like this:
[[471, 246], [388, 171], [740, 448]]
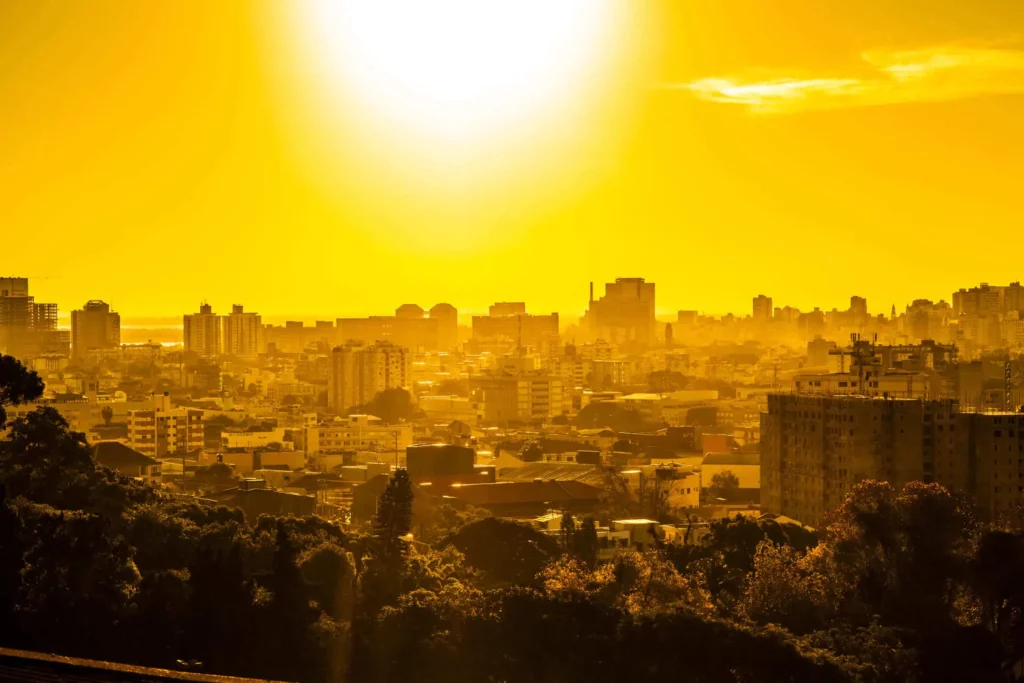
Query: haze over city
[[520, 341]]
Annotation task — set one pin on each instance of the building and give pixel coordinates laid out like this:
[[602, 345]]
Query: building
[[762, 309], [746, 467], [28, 329], [94, 326], [359, 373], [448, 409], [522, 396], [444, 465], [814, 449], [127, 461], [165, 432], [624, 315], [510, 322], [242, 333], [203, 332], [360, 432], [410, 327]]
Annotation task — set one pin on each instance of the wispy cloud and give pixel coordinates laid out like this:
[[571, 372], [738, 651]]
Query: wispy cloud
[[894, 77]]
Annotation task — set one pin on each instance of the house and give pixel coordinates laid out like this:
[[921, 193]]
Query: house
[[127, 461]]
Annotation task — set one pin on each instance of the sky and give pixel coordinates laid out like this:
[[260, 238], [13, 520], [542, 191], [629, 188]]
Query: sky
[[314, 159]]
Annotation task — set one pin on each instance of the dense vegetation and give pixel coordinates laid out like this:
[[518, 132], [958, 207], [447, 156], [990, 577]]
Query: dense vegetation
[[900, 586]]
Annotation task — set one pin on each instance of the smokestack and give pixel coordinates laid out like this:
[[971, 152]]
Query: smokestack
[[591, 292]]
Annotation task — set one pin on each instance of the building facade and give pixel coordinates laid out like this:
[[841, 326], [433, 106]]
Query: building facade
[[814, 449], [94, 326], [165, 432], [358, 373], [202, 332], [243, 333]]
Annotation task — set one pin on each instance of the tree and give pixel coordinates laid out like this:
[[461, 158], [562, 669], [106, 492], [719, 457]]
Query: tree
[[724, 485], [585, 543], [509, 552], [394, 516], [613, 416], [17, 385], [567, 532], [108, 415], [390, 405]]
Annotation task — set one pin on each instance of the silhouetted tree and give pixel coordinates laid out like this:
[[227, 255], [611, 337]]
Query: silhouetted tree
[[17, 385], [724, 485]]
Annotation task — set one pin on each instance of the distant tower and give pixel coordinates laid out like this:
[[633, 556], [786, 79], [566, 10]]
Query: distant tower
[[892, 315], [668, 335]]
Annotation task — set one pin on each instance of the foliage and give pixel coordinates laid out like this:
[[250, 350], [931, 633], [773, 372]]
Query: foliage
[[17, 385], [724, 485], [901, 585], [508, 552], [613, 416], [390, 405]]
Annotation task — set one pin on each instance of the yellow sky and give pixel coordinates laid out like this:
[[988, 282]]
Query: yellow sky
[[154, 154]]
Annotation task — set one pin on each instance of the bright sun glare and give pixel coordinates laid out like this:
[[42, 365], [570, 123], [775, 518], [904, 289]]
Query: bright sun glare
[[459, 69]]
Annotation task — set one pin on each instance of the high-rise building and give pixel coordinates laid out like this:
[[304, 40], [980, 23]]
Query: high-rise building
[[165, 432], [814, 449], [762, 308], [94, 326], [242, 333], [358, 373], [624, 315], [202, 332], [28, 329]]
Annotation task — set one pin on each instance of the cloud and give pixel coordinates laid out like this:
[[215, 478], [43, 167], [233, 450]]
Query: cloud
[[893, 77]]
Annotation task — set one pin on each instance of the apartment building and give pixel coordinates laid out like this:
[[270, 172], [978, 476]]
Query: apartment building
[[358, 373], [163, 431], [814, 449]]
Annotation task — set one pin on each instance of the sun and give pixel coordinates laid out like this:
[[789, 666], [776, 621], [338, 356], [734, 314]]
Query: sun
[[459, 69]]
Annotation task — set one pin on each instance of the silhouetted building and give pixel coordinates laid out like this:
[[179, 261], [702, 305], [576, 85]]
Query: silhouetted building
[[762, 308], [28, 329], [624, 315], [411, 327], [94, 326]]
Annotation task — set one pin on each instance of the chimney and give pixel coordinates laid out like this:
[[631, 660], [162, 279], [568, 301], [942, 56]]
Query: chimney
[[591, 292]]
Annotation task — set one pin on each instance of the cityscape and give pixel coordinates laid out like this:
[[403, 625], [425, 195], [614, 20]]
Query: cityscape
[[546, 341]]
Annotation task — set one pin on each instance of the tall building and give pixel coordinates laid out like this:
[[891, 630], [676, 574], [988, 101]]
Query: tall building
[[814, 449], [762, 308], [165, 432], [94, 326], [202, 332], [243, 333], [624, 315], [358, 373], [28, 329]]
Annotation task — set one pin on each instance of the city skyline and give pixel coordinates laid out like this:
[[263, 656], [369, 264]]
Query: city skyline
[[690, 150]]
